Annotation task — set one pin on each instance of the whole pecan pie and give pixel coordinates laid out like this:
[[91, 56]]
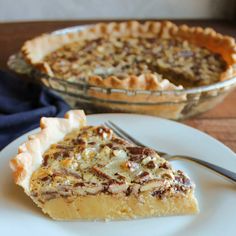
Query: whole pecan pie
[[150, 60], [74, 171]]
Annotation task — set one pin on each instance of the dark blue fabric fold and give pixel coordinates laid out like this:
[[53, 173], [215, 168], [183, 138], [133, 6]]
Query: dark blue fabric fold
[[22, 104]]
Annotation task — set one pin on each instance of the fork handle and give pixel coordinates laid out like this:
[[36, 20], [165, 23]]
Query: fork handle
[[219, 170]]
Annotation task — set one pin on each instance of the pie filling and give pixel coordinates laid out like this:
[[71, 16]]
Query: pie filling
[[179, 61], [93, 160]]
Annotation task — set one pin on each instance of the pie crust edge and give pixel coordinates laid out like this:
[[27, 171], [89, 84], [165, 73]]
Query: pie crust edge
[[34, 50], [30, 153]]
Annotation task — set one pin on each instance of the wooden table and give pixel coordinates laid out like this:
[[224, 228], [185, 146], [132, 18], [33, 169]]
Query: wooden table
[[220, 122]]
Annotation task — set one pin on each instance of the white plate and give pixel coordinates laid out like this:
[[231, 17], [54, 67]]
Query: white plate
[[217, 197]]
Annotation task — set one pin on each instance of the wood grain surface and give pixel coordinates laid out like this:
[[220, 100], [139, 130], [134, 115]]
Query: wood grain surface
[[220, 122]]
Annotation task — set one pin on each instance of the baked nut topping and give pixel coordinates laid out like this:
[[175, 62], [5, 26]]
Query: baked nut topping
[[93, 165], [74, 171], [102, 162], [178, 61]]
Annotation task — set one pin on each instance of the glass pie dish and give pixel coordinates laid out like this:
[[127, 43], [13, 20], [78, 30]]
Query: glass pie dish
[[172, 104]]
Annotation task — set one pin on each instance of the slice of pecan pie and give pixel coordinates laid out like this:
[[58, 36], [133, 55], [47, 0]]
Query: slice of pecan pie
[[74, 171]]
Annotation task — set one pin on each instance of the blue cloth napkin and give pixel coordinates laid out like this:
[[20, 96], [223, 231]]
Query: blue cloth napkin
[[22, 104]]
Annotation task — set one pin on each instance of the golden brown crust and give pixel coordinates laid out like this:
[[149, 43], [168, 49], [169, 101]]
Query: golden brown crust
[[30, 153], [34, 50]]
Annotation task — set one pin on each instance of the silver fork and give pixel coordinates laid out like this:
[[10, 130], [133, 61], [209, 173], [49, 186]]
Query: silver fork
[[219, 170]]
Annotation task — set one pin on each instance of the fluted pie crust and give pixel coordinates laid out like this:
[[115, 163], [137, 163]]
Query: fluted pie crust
[[35, 50], [73, 171]]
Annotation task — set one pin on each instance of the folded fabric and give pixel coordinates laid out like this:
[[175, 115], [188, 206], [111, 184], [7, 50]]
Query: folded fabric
[[22, 104]]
